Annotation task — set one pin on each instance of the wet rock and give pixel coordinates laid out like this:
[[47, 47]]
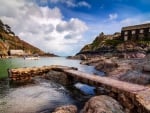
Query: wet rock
[[102, 104], [58, 77], [66, 109]]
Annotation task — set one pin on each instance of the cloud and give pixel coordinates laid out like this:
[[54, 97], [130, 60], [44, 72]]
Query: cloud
[[113, 16], [69, 3], [73, 25], [43, 27], [85, 4], [72, 3], [110, 27]]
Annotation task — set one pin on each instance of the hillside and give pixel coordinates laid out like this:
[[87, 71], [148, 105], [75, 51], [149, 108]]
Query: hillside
[[9, 41], [102, 43], [114, 44]]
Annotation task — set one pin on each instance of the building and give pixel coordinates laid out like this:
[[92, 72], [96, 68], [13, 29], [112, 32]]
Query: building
[[136, 32], [17, 52]]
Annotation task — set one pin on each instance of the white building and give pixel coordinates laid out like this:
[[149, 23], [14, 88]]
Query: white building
[[17, 52]]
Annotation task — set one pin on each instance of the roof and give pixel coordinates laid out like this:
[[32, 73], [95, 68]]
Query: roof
[[140, 26]]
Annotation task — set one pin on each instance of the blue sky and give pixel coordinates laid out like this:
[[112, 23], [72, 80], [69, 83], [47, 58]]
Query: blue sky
[[99, 9], [63, 27]]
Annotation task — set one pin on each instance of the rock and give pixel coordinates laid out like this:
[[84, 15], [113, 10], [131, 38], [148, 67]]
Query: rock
[[102, 104], [132, 55], [66, 109], [58, 77], [140, 55], [106, 65], [126, 102], [146, 68], [83, 57], [136, 77], [148, 57], [92, 61], [80, 56]]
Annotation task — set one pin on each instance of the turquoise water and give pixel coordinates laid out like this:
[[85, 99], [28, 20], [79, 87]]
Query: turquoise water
[[42, 96]]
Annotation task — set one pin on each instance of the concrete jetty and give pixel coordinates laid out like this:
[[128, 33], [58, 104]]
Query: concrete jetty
[[132, 96]]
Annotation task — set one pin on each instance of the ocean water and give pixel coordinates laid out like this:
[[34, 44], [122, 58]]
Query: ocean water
[[42, 96], [44, 61]]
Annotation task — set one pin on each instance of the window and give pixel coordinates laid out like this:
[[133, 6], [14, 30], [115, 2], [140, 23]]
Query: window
[[125, 38], [126, 32], [133, 32], [142, 31]]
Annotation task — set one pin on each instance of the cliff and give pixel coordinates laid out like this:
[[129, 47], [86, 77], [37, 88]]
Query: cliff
[[114, 44], [102, 43], [9, 41]]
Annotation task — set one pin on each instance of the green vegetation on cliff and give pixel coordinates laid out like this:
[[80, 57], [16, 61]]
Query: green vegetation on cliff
[[9, 41], [114, 43], [103, 43]]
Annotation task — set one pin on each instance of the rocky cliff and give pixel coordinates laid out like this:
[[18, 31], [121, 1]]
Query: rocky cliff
[[9, 41], [115, 44], [102, 43]]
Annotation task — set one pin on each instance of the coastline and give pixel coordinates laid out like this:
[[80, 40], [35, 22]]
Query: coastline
[[129, 70]]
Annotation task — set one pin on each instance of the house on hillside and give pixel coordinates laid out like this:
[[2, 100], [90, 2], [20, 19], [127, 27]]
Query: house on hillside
[[136, 32], [16, 52]]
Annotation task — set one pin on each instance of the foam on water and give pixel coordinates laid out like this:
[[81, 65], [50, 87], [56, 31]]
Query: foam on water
[[35, 98]]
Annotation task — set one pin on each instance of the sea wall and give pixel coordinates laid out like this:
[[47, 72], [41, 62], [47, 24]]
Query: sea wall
[[53, 73], [136, 98]]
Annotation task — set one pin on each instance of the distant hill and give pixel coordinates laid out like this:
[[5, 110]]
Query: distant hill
[[9, 41]]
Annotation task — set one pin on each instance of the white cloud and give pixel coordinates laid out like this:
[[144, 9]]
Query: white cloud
[[85, 4], [42, 26], [73, 25], [130, 21], [72, 3], [110, 27], [113, 16]]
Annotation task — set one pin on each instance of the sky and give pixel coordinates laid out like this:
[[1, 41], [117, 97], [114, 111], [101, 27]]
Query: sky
[[63, 27]]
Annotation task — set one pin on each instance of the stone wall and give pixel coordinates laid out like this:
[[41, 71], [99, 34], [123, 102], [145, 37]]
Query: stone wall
[[136, 98]]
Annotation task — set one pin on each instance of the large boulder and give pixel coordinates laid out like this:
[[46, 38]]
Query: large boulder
[[66, 109], [102, 104], [106, 65], [58, 77]]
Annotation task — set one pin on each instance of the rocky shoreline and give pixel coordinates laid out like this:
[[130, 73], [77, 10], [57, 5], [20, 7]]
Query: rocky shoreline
[[97, 104], [133, 68], [114, 68]]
